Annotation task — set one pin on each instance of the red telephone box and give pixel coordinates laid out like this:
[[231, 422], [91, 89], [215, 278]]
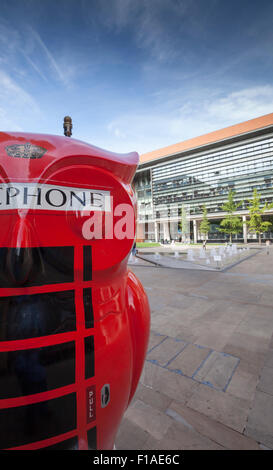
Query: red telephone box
[[74, 321]]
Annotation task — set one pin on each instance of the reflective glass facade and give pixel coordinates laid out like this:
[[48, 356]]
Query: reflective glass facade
[[205, 177]]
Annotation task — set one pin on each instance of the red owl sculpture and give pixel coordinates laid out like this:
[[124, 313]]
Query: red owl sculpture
[[74, 321]]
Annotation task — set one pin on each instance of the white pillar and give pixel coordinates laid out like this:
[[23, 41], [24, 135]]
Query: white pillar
[[166, 232], [194, 231], [244, 229], [156, 231], [140, 235]]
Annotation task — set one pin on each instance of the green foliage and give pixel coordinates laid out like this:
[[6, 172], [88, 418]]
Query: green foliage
[[232, 223], [230, 206], [146, 244], [256, 223], [205, 225]]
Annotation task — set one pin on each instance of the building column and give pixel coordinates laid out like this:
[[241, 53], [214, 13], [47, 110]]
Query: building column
[[140, 233], [156, 231], [194, 231], [166, 232], [244, 229]]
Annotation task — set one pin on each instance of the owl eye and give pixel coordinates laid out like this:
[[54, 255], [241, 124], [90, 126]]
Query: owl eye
[[98, 211]]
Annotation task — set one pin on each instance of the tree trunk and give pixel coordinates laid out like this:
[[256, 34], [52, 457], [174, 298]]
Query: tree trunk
[[230, 238], [260, 239]]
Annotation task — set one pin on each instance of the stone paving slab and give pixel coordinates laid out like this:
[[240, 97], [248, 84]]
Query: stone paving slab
[[249, 348], [157, 399], [189, 360], [220, 406], [266, 381], [217, 432], [231, 291], [259, 423], [223, 311], [269, 359], [186, 334], [131, 436], [178, 437], [155, 339], [154, 421], [157, 280], [148, 417], [212, 368], [258, 324], [165, 351], [243, 383], [214, 335], [217, 370], [173, 385]]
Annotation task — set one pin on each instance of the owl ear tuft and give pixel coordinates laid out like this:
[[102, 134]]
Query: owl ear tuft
[[124, 166]]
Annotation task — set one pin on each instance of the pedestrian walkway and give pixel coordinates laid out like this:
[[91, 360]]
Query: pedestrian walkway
[[208, 375]]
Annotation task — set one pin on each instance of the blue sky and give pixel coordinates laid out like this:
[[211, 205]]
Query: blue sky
[[134, 74]]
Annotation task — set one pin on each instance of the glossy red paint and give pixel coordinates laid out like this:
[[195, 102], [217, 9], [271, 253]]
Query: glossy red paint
[[74, 319]]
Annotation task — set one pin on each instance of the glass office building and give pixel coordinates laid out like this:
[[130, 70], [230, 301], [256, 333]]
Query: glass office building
[[182, 178]]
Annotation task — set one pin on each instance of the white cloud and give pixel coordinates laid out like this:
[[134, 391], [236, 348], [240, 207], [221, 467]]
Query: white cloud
[[27, 44], [35, 66], [242, 105], [16, 104], [115, 130], [11, 92], [175, 121], [50, 58], [145, 23]]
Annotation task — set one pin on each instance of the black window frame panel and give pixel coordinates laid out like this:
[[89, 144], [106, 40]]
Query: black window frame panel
[[37, 370], [19, 319], [42, 266], [37, 421]]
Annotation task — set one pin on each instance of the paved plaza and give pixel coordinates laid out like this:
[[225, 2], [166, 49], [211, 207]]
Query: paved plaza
[[208, 376]]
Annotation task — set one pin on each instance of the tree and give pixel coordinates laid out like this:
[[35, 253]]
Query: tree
[[256, 223], [231, 224], [205, 225]]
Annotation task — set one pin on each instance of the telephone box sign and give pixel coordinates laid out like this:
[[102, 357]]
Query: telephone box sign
[[52, 197]]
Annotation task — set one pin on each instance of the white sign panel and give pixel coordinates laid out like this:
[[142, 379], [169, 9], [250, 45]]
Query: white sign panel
[[52, 197]]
